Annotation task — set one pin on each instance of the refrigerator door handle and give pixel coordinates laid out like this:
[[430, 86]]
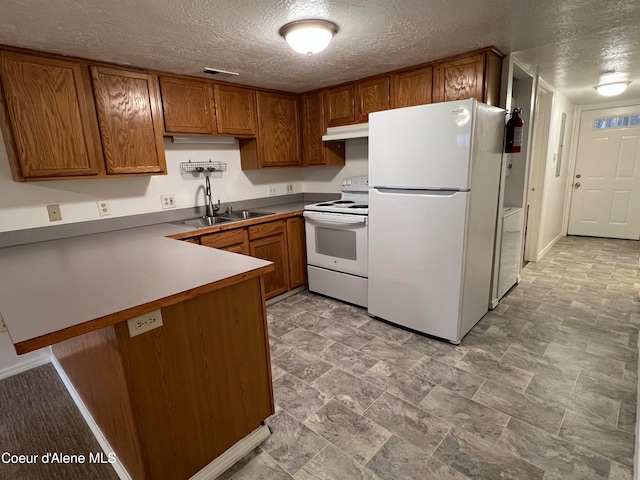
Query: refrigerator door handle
[[406, 191]]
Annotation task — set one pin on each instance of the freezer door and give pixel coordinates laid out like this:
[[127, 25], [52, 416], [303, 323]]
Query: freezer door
[[416, 251], [426, 146]]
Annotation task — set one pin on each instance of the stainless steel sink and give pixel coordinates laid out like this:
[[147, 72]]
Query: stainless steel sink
[[203, 222], [245, 215]]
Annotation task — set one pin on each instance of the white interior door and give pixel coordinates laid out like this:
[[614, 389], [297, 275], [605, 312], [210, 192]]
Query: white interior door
[[606, 185]]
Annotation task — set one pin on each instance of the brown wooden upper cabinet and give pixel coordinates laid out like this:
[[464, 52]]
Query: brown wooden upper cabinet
[[371, 96], [314, 150], [187, 105], [50, 129], [130, 119], [235, 110], [339, 106], [412, 87], [476, 76], [278, 141]]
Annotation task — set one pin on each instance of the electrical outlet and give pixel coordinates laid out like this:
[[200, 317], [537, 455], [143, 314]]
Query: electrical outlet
[[104, 208], [273, 190], [54, 213], [289, 188], [144, 323], [168, 201]]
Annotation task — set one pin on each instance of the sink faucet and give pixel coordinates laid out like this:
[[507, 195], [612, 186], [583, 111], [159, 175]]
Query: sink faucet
[[211, 209]]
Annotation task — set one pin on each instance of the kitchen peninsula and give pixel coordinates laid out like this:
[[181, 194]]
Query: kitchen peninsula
[[169, 400]]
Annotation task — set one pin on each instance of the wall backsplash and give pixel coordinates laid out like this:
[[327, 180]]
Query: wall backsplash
[[23, 205]]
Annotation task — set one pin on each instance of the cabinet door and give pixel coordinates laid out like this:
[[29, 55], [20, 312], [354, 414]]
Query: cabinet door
[[371, 96], [412, 87], [236, 240], [273, 248], [339, 108], [314, 150], [187, 106], [297, 252], [459, 79], [51, 121], [278, 129], [235, 110], [129, 113]]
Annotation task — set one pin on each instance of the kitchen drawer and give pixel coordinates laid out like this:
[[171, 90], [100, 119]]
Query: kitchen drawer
[[266, 229], [226, 239]]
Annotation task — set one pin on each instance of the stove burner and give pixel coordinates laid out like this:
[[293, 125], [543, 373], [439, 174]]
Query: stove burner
[[324, 205], [342, 202], [359, 206]]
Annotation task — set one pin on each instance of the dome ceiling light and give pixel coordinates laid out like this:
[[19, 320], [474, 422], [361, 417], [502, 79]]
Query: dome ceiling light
[[611, 89], [308, 36]]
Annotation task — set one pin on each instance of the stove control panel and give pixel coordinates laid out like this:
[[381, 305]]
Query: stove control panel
[[355, 184]]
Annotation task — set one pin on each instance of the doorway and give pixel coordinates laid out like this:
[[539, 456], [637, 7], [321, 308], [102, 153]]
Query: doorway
[[605, 200]]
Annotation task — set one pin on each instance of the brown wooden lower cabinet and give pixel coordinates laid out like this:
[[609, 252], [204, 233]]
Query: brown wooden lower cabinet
[[281, 242], [236, 241], [268, 241], [296, 245], [171, 400]]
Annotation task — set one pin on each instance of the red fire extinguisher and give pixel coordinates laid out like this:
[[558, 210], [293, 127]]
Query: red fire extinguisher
[[514, 132]]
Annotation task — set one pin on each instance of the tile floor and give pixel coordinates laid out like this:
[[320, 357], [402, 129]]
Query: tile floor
[[543, 387]]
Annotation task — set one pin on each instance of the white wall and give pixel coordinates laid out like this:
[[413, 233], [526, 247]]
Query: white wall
[[554, 192], [328, 180], [22, 205]]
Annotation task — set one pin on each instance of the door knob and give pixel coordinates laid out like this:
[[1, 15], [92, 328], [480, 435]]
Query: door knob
[[577, 185]]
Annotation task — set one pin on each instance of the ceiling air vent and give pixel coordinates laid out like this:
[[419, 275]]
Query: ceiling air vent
[[215, 71]]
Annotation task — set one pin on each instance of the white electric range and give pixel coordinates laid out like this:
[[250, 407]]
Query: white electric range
[[337, 248]]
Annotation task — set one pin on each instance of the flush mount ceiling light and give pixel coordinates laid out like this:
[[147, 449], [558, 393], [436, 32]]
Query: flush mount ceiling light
[[308, 36], [611, 89]]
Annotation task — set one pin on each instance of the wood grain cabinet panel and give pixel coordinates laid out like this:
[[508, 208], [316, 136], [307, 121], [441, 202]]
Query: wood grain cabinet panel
[[339, 106], [268, 241], [173, 399], [459, 79], [371, 96], [236, 241], [412, 87], [314, 150], [297, 252], [278, 126], [187, 106], [130, 120], [235, 110], [48, 119]]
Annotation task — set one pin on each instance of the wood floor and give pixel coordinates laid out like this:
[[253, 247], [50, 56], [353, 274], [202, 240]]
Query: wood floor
[[544, 387]]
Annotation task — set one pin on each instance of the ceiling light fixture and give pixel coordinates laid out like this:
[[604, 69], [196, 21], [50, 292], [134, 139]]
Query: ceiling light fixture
[[611, 89], [308, 36]]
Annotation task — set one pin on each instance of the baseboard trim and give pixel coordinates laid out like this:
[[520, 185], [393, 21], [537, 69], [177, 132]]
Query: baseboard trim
[[290, 293], [23, 367], [546, 249], [93, 426], [233, 454]]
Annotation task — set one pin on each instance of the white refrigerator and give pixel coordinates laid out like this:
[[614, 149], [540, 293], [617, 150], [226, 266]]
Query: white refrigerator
[[434, 176]]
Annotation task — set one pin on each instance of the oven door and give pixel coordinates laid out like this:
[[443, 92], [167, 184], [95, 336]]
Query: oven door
[[337, 241]]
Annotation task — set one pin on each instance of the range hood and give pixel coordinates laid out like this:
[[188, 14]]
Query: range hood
[[360, 130]]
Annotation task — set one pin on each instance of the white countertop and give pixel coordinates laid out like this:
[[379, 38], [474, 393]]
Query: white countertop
[[51, 286]]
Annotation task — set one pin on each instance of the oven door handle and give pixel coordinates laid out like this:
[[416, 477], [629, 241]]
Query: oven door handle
[[336, 219]]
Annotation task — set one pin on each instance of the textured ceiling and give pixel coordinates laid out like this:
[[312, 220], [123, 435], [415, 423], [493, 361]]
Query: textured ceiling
[[568, 42]]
